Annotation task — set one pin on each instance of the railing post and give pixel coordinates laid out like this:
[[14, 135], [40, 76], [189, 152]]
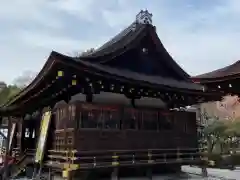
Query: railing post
[[66, 171], [68, 158], [150, 157], [204, 165], [67, 175], [192, 157], [50, 175], [133, 158], [115, 160], [73, 158], [94, 162], [178, 155]]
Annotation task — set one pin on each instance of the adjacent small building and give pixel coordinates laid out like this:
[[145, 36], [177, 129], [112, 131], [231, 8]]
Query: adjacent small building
[[225, 80]]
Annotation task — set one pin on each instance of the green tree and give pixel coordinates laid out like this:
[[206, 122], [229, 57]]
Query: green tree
[[8, 92], [233, 133], [215, 133], [222, 134]]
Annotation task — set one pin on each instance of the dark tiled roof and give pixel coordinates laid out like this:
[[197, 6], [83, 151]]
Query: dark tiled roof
[[128, 39], [231, 70], [119, 42], [124, 33]]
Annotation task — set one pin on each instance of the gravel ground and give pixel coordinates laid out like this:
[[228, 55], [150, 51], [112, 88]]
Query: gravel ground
[[193, 173], [223, 173]]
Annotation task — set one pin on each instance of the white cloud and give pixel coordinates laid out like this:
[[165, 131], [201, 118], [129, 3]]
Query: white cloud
[[81, 9], [200, 39], [62, 44], [18, 11]]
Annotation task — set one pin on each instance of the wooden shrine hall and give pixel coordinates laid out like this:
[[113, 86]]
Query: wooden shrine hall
[[117, 107]]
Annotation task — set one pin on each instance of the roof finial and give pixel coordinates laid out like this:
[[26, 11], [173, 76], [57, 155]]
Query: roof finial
[[144, 17]]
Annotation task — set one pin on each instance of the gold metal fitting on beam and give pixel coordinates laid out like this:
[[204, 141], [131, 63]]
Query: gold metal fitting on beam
[[74, 82], [60, 73]]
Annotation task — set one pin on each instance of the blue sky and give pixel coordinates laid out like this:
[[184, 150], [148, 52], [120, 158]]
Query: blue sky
[[201, 35]]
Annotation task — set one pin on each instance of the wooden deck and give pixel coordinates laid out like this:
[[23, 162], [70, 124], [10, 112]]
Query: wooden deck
[[108, 159]]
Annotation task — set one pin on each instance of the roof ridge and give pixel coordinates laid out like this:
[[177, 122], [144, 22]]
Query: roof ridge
[[142, 18]]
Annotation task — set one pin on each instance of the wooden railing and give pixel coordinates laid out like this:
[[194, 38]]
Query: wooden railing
[[15, 154], [22, 161], [104, 159], [26, 153]]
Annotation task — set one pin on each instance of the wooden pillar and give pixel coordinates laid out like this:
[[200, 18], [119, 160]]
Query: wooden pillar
[[114, 174], [34, 170], [67, 174], [204, 164], [19, 135], [6, 167], [23, 139], [50, 174], [149, 173]]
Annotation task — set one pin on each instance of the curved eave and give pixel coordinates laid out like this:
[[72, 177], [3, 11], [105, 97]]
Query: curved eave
[[103, 72], [6, 110], [52, 59], [140, 79], [202, 80], [223, 74], [130, 41]]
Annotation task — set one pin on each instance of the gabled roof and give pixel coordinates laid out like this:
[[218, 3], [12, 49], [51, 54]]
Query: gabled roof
[[130, 38], [225, 73]]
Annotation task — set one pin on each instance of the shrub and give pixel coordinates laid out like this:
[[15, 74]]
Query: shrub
[[222, 161]]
